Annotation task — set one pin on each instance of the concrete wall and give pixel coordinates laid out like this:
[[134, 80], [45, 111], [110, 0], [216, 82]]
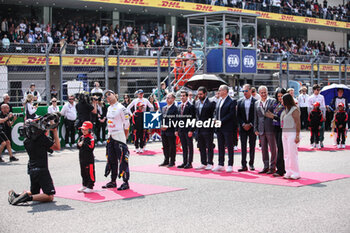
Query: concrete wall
[[339, 38]]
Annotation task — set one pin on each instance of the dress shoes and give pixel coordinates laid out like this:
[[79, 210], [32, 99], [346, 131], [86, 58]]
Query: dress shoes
[[163, 164], [171, 165], [251, 167], [243, 169], [271, 171], [181, 166], [276, 174], [188, 166], [265, 170]]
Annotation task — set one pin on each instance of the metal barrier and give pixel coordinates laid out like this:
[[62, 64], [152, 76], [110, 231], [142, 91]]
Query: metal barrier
[[17, 75]]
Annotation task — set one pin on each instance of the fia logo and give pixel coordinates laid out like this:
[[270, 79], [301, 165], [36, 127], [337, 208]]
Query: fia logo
[[151, 120], [233, 60], [249, 61]]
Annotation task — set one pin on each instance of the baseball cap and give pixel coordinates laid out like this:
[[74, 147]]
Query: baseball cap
[[317, 104], [140, 104], [140, 91], [108, 91], [341, 104], [86, 125]]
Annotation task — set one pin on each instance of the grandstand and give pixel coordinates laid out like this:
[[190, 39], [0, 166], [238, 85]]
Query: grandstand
[[131, 44]]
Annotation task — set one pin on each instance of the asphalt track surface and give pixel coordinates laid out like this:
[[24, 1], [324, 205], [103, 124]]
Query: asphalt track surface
[[205, 206]]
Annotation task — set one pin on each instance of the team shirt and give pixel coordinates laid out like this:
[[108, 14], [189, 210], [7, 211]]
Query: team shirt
[[117, 122]]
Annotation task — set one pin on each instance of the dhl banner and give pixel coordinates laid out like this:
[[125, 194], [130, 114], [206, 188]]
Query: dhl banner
[[299, 67], [17, 60], [195, 7], [82, 61], [23, 60], [141, 62]]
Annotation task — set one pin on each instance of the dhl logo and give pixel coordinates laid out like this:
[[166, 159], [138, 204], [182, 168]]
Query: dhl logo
[[136, 2], [261, 65], [263, 15], [164, 63], [127, 62], [170, 4], [288, 18], [204, 8], [310, 20], [2, 60], [234, 9], [284, 66], [37, 60], [84, 61], [305, 67], [327, 68], [331, 23]]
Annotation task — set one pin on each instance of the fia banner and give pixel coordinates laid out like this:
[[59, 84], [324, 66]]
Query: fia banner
[[233, 61], [249, 61]]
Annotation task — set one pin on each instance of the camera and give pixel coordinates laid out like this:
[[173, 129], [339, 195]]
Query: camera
[[18, 115], [34, 128], [96, 97]]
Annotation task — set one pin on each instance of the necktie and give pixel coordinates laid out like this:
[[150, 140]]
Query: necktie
[[182, 109]]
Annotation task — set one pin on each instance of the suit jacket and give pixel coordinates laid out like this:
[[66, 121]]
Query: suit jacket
[[241, 113], [207, 112], [169, 115], [190, 114], [227, 114], [263, 124]]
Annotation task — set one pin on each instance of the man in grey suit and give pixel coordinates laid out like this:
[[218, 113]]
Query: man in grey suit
[[264, 128]]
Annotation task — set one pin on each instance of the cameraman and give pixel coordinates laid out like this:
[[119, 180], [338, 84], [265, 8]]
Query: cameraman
[[84, 110], [6, 121], [37, 145]]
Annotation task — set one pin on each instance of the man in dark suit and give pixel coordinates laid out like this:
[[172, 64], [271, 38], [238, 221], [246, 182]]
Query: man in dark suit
[[245, 115], [186, 113], [169, 113], [226, 113], [263, 126], [205, 110]]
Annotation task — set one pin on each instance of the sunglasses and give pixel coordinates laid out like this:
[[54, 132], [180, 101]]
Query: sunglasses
[[245, 91], [54, 101], [108, 94], [70, 99]]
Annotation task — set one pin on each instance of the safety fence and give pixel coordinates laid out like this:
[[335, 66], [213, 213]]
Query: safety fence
[[68, 70]]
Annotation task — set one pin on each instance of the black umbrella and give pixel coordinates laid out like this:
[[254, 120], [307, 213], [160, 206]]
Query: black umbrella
[[209, 81]]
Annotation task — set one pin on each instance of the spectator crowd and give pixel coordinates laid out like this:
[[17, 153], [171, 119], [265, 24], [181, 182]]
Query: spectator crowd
[[82, 38], [306, 8], [299, 46]]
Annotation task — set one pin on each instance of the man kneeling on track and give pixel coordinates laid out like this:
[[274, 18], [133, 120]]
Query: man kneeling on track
[[37, 144]]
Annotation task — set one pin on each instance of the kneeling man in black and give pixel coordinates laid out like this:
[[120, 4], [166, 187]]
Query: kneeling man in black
[[37, 144]]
